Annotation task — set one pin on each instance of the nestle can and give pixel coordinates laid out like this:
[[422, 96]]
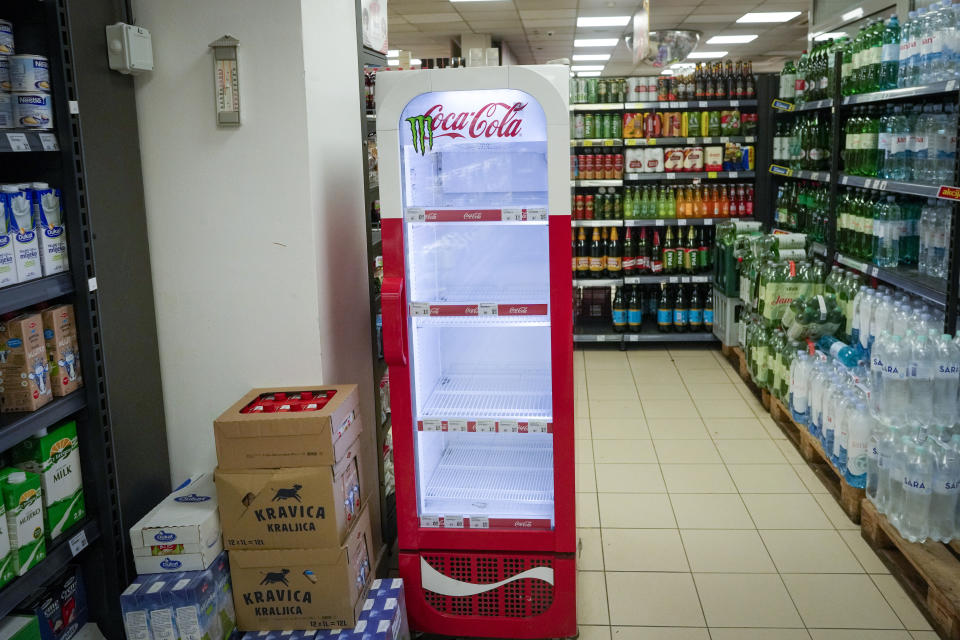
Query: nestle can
[[4, 73], [6, 111], [29, 73], [6, 38], [32, 110]]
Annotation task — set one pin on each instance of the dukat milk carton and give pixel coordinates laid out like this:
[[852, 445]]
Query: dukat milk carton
[[48, 215], [22, 497], [55, 456], [60, 336], [24, 368], [8, 262], [26, 245]]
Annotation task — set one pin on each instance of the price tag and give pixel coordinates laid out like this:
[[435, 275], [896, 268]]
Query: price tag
[[587, 143], [419, 309], [702, 103], [711, 174], [673, 280], [509, 426], [433, 425], [479, 522], [456, 425], [537, 426], [487, 309], [512, 214], [537, 214], [651, 141], [724, 139], [734, 103], [675, 105], [453, 522], [671, 176], [883, 185], [609, 143], [78, 542], [733, 174], [708, 222], [49, 141], [660, 222], [868, 183], [486, 426], [681, 222], [415, 214], [843, 180], [18, 142], [783, 105], [691, 140], [430, 522]]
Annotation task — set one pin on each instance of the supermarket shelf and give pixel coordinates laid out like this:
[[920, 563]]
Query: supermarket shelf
[[672, 279], [787, 172], [813, 105], [25, 294], [909, 280], [908, 92], [659, 142], [892, 186], [597, 183], [20, 141], [599, 282], [677, 222], [500, 395], [698, 336], [16, 427], [59, 555], [486, 312], [597, 106], [689, 104], [690, 175], [597, 223], [597, 142]]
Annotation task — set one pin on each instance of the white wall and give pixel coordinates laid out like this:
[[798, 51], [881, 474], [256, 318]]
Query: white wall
[[256, 233]]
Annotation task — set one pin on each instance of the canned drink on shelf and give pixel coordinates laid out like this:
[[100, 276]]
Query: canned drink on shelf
[[6, 38], [578, 126], [607, 125], [663, 89], [29, 73], [608, 166], [574, 172], [586, 167], [588, 126], [6, 110], [693, 159], [32, 110], [653, 160], [633, 88], [591, 90], [748, 158], [4, 73], [673, 159], [602, 90], [651, 125], [618, 166], [588, 208], [634, 160], [617, 125], [578, 207]]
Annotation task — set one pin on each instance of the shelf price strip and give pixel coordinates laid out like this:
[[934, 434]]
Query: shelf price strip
[[482, 522], [422, 309], [485, 426], [512, 214]]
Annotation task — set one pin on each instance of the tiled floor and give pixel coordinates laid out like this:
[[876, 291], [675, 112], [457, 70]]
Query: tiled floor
[[698, 520]]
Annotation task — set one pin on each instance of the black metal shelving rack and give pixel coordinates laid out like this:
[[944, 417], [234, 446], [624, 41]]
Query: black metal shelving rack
[[56, 157], [942, 293], [592, 331]]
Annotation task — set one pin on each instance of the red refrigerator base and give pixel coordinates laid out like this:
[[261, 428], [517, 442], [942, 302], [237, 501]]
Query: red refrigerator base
[[510, 594]]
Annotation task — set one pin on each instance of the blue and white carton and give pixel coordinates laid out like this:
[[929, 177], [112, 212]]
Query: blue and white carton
[[48, 215], [22, 227]]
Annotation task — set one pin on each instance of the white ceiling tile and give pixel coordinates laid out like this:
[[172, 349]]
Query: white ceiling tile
[[550, 22], [540, 14], [483, 25], [431, 18], [545, 4]]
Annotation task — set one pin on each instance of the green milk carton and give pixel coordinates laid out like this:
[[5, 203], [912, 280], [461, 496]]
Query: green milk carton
[[55, 457], [7, 572], [24, 503]]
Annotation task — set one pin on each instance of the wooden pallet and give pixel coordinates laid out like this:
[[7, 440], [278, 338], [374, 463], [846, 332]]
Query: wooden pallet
[[849, 498], [929, 572]]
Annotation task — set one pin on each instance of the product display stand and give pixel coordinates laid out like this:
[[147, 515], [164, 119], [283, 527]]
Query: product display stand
[[97, 542]]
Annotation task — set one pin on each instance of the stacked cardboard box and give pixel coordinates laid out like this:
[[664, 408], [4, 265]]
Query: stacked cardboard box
[[293, 507]]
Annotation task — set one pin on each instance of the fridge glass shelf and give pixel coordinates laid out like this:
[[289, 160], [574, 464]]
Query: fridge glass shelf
[[506, 395], [492, 480]]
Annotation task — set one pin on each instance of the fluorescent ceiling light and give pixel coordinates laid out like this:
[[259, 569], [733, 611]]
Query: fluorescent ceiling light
[[604, 21], [587, 67], [732, 39], [596, 42], [769, 16], [393, 53], [586, 57], [826, 36], [707, 55], [588, 74], [393, 62], [853, 15], [667, 72]]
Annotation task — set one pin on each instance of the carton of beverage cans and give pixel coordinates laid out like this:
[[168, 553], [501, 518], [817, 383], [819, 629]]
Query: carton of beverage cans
[[673, 159], [653, 160]]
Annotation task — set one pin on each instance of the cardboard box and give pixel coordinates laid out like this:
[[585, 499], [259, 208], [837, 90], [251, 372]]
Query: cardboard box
[[24, 370], [264, 429], [60, 336], [186, 522], [61, 607], [291, 508], [171, 563], [304, 588]]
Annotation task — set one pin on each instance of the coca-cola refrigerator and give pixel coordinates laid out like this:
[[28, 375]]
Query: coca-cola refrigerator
[[477, 322]]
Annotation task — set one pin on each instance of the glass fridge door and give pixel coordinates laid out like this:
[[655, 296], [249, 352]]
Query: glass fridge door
[[474, 172]]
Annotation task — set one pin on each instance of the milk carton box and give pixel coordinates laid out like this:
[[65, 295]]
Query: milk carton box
[[22, 497], [54, 455], [136, 620], [7, 572], [22, 226], [48, 215], [20, 627], [63, 350], [24, 368], [8, 263]]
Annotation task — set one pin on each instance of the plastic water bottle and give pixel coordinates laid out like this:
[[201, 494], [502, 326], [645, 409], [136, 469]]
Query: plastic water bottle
[[866, 306], [917, 494], [878, 358], [932, 60], [900, 318], [799, 388], [920, 145], [923, 50], [946, 489], [898, 471], [877, 434], [905, 59], [947, 37], [819, 385], [886, 451], [878, 315], [943, 145], [831, 403], [841, 437], [896, 391], [893, 140], [920, 380], [838, 350], [946, 385], [859, 454]]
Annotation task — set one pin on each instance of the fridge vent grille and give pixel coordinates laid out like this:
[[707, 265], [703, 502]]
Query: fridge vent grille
[[523, 598]]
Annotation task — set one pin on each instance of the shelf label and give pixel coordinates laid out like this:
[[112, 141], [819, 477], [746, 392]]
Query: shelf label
[[733, 174], [951, 85], [487, 309], [711, 174], [673, 279], [734, 103], [518, 214], [702, 103], [708, 222], [509, 426], [844, 180], [430, 522], [609, 143], [949, 193], [18, 142], [451, 522], [724, 139], [419, 309], [659, 222], [78, 542], [538, 426], [681, 222], [414, 214], [783, 105], [692, 140], [432, 425], [457, 425], [462, 215], [49, 141], [486, 426], [779, 170], [587, 143], [479, 522]]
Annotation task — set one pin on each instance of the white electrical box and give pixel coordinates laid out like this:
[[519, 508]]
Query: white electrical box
[[129, 48]]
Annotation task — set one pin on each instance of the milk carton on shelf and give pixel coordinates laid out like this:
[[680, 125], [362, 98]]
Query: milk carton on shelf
[[22, 497], [20, 627], [48, 216], [182, 533], [60, 336], [24, 368], [54, 455], [8, 262], [22, 225]]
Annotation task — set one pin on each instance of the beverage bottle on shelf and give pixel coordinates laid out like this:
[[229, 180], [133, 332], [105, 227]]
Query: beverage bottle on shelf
[[656, 255], [695, 316], [642, 252], [858, 60], [800, 90], [917, 494], [671, 206], [708, 312], [890, 55], [614, 255], [846, 67], [634, 310], [750, 83], [860, 429], [905, 56], [724, 203], [878, 433], [869, 143], [596, 255], [604, 245], [920, 379], [946, 385], [628, 262], [664, 310], [669, 253], [690, 247], [583, 255], [788, 81], [944, 524], [681, 311], [619, 311]]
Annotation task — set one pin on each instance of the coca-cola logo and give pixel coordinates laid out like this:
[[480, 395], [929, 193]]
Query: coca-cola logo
[[523, 524], [494, 119], [517, 311], [473, 215]]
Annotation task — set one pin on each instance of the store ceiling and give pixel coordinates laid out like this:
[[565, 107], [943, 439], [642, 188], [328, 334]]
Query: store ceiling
[[541, 30]]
